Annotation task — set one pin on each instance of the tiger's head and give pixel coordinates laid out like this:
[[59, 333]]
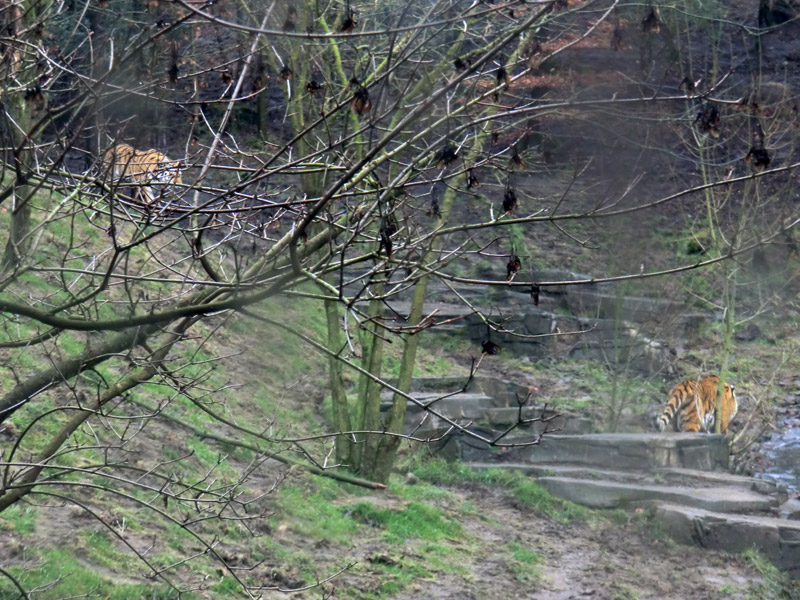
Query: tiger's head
[[168, 171]]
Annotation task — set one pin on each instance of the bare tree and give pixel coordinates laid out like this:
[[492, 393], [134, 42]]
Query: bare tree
[[323, 151]]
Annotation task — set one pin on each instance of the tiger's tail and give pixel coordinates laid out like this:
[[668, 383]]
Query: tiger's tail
[[676, 397]]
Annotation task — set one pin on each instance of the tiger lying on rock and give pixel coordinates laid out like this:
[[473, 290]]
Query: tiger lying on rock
[[691, 406]]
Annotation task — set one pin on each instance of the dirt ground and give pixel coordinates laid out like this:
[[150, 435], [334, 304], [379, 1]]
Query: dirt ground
[[608, 561], [619, 557], [615, 556]]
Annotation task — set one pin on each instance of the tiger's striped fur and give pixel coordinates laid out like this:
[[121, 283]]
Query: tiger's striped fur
[[142, 167], [692, 406]]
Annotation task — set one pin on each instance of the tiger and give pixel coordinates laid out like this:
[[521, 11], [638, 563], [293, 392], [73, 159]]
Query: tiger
[[142, 167], [692, 406]]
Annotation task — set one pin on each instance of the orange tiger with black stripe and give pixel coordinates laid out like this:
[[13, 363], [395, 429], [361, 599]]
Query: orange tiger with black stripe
[[143, 167], [692, 406]]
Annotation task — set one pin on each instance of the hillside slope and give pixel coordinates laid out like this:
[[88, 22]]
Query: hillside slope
[[442, 532]]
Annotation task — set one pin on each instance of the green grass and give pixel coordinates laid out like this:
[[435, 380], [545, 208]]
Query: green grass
[[326, 510], [20, 518], [61, 575], [44, 429], [395, 574], [227, 586], [399, 576], [210, 457], [313, 512], [728, 589], [420, 492], [440, 556], [428, 364], [276, 362], [525, 563], [101, 551], [391, 366], [96, 546], [594, 385], [774, 584], [525, 556], [448, 343], [623, 592], [526, 491], [414, 521]]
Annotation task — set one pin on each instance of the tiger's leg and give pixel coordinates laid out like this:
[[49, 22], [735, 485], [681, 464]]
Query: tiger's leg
[[691, 420], [686, 418], [709, 421], [725, 421], [691, 426], [148, 194]]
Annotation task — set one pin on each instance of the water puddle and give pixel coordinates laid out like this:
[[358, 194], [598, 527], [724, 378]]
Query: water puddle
[[781, 454]]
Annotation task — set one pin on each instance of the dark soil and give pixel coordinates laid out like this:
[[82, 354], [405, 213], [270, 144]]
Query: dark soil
[[602, 561]]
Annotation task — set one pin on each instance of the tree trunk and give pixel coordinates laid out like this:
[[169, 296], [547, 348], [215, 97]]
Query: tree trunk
[[261, 99], [369, 392], [727, 340], [397, 414], [19, 23], [339, 408]]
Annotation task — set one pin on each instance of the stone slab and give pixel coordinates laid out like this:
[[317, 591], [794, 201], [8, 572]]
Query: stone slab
[[683, 477], [517, 337], [790, 509], [448, 329], [610, 494], [556, 420], [426, 397], [583, 300], [573, 471], [558, 275], [709, 478], [637, 451], [441, 311], [778, 539], [489, 386], [455, 407]]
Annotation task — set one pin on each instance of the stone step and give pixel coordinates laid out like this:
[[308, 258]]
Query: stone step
[[610, 494], [525, 334], [586, 301], [462, 406], [682, 477], [778, 539], [695, 477], [490, 386], [482, 410], [558, 420], [623, 451], [574, 471], [429, 396]]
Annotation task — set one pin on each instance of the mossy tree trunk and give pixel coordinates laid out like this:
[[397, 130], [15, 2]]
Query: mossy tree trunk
[[20, 23], [300, 109], [369, 396], [340, 410]]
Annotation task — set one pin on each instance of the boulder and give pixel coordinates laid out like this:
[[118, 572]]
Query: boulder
[[790, 509]]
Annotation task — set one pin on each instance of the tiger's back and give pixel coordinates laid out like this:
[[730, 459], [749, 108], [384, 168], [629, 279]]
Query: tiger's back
[[142, 167], [692, 406]]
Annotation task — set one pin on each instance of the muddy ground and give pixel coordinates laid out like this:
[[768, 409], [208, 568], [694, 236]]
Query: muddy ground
[[618, 557]]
